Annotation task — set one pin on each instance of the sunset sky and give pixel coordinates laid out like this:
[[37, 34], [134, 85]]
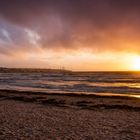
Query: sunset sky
[[76, 34]]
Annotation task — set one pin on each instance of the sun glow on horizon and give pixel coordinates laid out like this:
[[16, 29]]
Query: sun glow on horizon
[[136, 63]]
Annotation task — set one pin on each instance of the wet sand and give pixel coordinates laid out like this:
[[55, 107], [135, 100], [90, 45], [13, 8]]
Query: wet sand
[[30, 116]]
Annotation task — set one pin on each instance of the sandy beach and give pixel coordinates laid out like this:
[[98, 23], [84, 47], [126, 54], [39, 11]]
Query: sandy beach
[[36, 116]]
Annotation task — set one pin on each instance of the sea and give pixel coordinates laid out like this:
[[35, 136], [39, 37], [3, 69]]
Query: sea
[[96, 83]]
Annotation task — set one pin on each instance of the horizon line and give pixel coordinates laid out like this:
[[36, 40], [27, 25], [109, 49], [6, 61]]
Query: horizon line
[[63, 69]]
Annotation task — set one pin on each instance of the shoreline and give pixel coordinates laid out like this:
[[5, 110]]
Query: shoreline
[[95, 95], [83, 101]]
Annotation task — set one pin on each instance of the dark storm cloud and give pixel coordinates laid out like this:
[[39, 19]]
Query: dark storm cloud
[[95, 10], [68, 23]]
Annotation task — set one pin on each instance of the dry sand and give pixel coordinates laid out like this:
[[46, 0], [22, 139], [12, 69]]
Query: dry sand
[[25, 116]]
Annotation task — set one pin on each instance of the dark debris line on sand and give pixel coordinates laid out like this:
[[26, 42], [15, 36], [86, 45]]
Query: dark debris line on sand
[[62, 103]]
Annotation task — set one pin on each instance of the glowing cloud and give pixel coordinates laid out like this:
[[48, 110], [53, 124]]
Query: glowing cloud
[[54, 29], [33, 37]]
